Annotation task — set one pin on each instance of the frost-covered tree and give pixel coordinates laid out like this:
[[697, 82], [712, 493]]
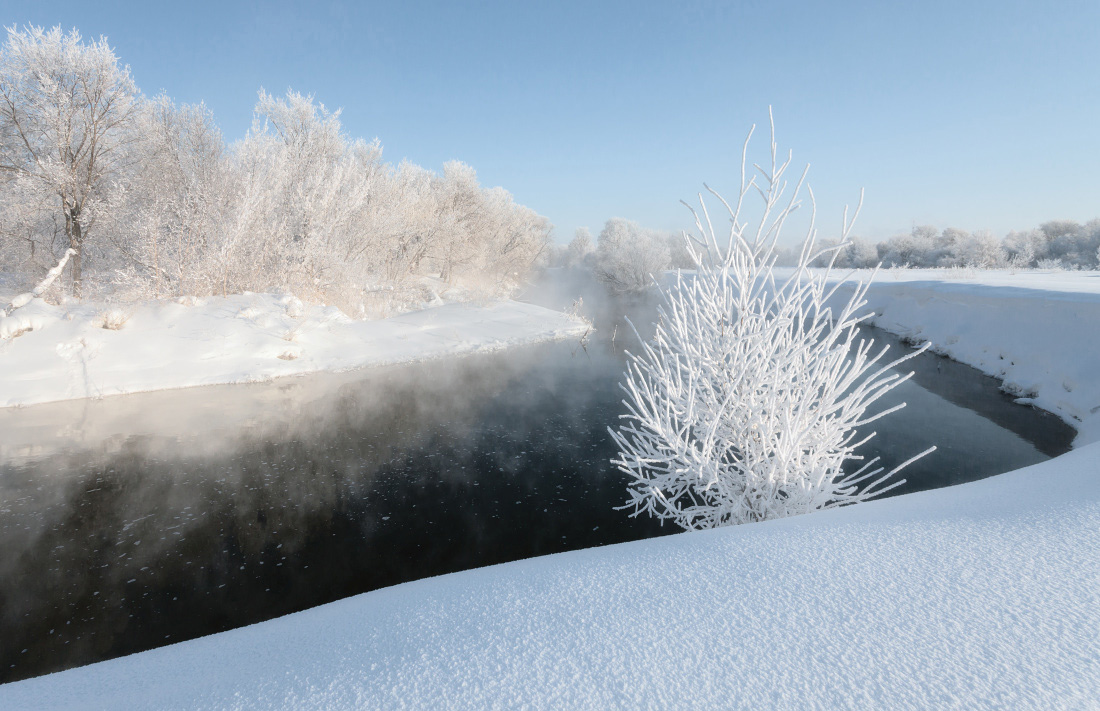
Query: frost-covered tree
[[628, 256], [855, 254], [579, 249], [980, 250], [168, 216], [1071, 243], [679, 256], [66, 113], [512, 237], [860, 254], [481, 238], [911, 250], [149, 194], [1025, 248], [409, 218], [315, 184], [745, 404]]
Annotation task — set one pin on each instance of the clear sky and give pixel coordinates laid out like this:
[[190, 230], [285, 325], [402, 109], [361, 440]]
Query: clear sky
[[979, 115]]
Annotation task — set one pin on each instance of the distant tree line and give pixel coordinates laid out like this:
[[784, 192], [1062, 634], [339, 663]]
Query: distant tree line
[[1058, 244], [155, 203], [626, 254]]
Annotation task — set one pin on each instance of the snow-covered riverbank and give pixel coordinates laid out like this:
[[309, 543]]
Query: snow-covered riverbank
[[1038, 332], [50, 353]]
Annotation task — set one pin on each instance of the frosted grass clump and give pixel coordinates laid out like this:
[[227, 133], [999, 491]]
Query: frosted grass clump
[[745, 404]]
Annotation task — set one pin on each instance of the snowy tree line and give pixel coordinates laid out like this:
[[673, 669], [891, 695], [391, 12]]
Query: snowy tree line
[[626, 254], [1058, 244], [154, 202]]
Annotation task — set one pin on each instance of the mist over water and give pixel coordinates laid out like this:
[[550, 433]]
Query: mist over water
[[132, 522]]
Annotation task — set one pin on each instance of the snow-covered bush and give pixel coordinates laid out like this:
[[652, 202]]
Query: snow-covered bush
[[744, 405], [112, 319]]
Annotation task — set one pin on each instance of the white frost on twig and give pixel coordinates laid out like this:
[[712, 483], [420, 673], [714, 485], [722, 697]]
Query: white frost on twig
[[744, 405]]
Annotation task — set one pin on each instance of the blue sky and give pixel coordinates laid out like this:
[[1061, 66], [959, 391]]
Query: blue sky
[[980, 115]]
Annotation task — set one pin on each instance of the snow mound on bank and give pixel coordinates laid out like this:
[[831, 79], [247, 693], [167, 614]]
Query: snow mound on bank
[[50, 353], [985, 595]]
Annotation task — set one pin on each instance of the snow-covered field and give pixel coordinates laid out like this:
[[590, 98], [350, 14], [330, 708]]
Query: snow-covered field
[[50, 353], [984, 595]]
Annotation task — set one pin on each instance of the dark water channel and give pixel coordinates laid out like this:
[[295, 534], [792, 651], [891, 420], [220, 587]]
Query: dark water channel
[[129, 523]]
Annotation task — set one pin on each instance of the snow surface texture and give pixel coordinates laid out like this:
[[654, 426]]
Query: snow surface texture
[[985, 595], [50, 353], [1037, 332]]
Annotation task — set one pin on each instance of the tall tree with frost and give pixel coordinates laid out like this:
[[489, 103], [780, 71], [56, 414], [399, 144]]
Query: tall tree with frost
[[65, 112], [744, 405]]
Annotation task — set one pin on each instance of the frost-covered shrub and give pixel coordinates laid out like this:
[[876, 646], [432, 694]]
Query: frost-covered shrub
[[744, 405], [112, 319]]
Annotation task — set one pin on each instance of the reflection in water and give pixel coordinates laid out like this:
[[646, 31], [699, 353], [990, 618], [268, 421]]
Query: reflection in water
[[133, 522]]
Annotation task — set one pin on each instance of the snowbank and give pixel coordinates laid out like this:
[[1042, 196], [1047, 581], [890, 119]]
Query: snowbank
[[50, 353], [985, 595], [1037, 332]]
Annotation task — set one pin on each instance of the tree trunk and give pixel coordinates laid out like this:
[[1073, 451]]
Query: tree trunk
[[76, 243]]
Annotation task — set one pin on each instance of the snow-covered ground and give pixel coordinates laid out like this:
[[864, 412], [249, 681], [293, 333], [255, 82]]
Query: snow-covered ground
[[985, 595], [50, 353], [1038, 332]]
